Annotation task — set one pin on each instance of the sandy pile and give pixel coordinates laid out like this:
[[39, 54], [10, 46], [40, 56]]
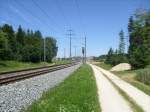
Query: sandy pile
[[121, 67]]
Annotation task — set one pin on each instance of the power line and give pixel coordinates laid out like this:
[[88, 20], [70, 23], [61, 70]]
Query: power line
[[67, 22], [80, 17], [43, 11], [83, 29], [27, 10]]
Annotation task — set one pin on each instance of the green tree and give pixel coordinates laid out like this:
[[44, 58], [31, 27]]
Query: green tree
[[139, 49], [51, 48], [131, 23], [121, 43], [5, 52], [8, 30], [109, 56], [25, 45], [20, 39], [38, 43], [20, 36], [32, 50]]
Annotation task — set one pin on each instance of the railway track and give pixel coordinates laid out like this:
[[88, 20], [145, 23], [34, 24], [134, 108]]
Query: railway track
[[9, 77]]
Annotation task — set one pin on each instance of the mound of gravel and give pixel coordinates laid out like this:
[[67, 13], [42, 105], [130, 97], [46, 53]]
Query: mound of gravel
[[121, 67]]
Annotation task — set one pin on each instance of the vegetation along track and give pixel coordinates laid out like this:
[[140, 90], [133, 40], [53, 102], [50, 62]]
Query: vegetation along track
[[9, 77]]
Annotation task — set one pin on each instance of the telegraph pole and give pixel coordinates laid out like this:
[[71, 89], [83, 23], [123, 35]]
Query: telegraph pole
[[75, 47], [70, 37], [83, 53], [70, 45], [44, 50], [85, 49], [64, 53]]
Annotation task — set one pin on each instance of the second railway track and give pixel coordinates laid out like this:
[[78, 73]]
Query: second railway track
[[10, 77]]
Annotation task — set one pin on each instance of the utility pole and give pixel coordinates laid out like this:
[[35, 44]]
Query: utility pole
[[83, 53], [44, 50], [85, 49], [70, 37], [75, 47], [64, 53]]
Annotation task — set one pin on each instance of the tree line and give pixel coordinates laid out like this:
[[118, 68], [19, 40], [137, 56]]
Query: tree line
[[138, 53], [119, 55], [25, 45]]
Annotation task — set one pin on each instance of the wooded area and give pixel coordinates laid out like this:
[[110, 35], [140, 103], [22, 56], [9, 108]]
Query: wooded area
[[138, 53], [27, 46]]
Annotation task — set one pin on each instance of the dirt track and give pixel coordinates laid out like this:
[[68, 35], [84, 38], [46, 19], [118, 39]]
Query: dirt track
[[110, 99], [138, 96]]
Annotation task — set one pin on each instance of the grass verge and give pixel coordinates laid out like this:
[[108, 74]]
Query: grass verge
[[135, 107], [62, 62], [6, 66], [129, 76], [104, 65], [78, 93]]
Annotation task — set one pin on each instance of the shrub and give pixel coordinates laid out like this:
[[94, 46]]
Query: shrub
[[143, 76]]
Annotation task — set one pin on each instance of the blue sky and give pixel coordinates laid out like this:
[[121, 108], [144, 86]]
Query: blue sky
[[99, 20]]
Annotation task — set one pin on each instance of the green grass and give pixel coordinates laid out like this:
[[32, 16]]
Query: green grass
[[6, 66], [15, 65], [129, 76], [104, 65], [78, 93], [62, 62], [143, 76]]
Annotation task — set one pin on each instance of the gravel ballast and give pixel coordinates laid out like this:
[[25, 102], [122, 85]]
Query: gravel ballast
[[19, 95]]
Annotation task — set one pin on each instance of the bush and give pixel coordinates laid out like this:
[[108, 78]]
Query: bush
[[143, 76], [116, 59]]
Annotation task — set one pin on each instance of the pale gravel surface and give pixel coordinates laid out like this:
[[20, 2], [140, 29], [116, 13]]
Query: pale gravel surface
[[121, 67], [109, 98], [19, 95], [137, 95]]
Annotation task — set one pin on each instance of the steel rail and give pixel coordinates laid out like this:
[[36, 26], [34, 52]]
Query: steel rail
[[14, 76], [28, 69]]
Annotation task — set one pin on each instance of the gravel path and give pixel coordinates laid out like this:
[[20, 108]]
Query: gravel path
[[109, 98], [18, 95], [138, 96]]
